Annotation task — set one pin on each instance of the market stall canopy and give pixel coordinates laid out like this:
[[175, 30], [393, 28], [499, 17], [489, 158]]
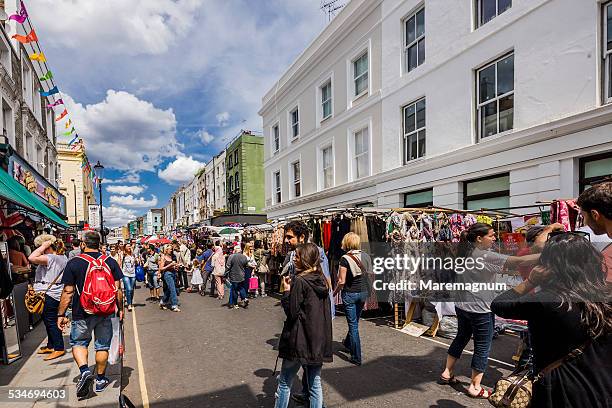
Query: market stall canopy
[[161, 241], [227, 231], [13, 191]]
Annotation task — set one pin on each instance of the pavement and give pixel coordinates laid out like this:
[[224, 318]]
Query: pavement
[[209, 356], [60, 374]]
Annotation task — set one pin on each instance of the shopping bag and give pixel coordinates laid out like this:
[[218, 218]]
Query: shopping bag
[[117, 343], [253, 283], [140, 273]]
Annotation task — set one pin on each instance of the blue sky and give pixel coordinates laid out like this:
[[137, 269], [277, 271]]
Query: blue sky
[[157, 87]]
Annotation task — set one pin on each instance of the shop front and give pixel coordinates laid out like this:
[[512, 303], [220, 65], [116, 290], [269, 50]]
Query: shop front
[[29, 205]]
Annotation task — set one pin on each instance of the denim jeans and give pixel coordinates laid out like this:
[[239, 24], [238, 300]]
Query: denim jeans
[[353, 304], [169, 289], [55, 340], [152, 276], [102, 328], [480, 326], [128, 284], [288, 372], [236, 288]]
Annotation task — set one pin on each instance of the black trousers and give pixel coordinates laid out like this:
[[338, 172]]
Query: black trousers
[[183, 282]]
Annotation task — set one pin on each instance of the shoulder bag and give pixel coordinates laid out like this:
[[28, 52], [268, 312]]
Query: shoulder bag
[[35, 301], [515, 390]]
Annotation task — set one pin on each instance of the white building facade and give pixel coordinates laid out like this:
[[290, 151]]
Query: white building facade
[[473, 104]]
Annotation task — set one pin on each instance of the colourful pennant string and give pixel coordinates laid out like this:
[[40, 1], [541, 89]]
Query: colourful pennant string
[[61, 116], [71, 131], [26, 39], [73, 140], [50, 92], [58, 102], [21, 16], [68, 123], [38, 56], [47, 77]]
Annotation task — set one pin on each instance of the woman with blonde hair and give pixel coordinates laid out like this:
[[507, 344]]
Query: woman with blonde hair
[[128, 267], [354, 286], [167, 268], [248, 271]]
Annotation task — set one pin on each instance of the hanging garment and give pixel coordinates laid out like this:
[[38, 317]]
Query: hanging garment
[[427, 232], [573, 212], [485, 219], [468, 221], [456, 226], [359, 227], [560, 213], [327, 233], [376, 229]]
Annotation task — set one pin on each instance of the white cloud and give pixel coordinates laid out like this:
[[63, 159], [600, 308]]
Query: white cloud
[[129, 177], [115, 216], [205, 137], [180, 170], [131, 201], [124, 132], [222, 118], [122, 27], [124, 190]]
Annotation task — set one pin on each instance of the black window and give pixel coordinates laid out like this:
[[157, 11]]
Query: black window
[[595, 169], [487, 192]]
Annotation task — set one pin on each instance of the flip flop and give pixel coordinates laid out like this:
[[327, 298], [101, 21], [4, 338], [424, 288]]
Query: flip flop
[[448, 381], [483, 394]]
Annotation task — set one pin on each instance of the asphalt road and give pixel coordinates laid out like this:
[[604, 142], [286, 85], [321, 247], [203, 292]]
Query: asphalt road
[[209, 356]]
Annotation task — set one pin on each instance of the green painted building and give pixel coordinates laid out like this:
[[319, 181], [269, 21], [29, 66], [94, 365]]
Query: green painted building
[[245, 174]]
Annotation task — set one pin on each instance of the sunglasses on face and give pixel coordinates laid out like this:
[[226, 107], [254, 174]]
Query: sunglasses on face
[[582, 234]]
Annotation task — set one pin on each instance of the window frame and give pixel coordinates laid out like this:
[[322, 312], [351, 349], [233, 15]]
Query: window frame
[[415, 42], [422, 204], [607, 55], [480, 105], [484, 196], [277, 190], [355, 77], [236, 182], [275, 138], [292, 126], [320, 163], [479, 15], [296, 182], [236, 157], [583, 181], [231, 183], [230, 163], [363, 126], [415, 132], [330, 100]]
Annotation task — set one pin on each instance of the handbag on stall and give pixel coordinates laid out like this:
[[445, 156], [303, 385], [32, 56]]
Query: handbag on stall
[[515, 390], [35, 301]]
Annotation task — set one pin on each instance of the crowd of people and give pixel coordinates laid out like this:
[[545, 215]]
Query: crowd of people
[[564, 297]]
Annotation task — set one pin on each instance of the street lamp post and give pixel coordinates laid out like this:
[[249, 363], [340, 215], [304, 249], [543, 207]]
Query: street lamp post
[[76, 219], [99, 169]]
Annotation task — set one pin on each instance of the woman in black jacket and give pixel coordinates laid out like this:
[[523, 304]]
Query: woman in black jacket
[[571, 311], [306, 339]]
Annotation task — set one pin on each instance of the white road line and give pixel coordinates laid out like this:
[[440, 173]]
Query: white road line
[[465, 351], [141, 373]]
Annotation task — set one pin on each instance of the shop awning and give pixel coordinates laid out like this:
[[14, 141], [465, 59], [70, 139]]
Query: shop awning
[[11, 190]]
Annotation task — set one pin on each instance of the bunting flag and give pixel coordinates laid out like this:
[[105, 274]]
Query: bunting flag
[[47, 77], [38, 56], [58, 102], [68, 123], [21, 16], [50, 92], [26, 39], [61, 116], [73, 140], [71, 131]]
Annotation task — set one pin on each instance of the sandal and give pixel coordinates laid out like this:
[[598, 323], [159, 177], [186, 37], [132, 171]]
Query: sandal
[[448, 381], [483, 394]]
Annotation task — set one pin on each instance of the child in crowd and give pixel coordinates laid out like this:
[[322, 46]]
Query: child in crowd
[[196, 277]]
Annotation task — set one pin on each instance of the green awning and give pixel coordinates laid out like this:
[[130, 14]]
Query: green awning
[[13, 191]]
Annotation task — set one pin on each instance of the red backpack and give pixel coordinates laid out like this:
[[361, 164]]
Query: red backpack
[[99, 291]]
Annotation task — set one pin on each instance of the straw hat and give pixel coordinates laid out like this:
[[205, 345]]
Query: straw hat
[[38, 241]]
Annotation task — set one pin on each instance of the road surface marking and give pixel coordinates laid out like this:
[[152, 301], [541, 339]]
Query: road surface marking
[[465, 351], [141, 373]]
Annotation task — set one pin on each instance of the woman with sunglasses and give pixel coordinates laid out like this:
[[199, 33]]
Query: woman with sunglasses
[[570, 313]]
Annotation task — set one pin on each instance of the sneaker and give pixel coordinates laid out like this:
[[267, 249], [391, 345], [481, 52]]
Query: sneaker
[[129, 308], [246, 303], [175, 309], [84, 384], [102, 384], [235, 307]]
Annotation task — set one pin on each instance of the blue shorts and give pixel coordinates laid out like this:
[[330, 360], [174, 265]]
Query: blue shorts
[[80, 332], [153, 282]]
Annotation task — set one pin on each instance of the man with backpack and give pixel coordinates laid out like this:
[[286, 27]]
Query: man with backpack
[[92, 281]]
